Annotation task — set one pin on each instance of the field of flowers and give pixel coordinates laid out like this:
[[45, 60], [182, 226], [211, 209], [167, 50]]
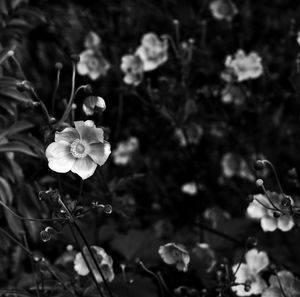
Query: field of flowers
[[149, 148]]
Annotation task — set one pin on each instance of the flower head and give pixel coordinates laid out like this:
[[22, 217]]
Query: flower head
[[260, 209], [223, 9], [104, 261], [190, 188], [248, 273], [92, 41], [78, 149], [93, 64], [132, 66], [152, 51], [234, 165], [91, 103], [173, 253], [244, 66], [124, 151], [284, 281]]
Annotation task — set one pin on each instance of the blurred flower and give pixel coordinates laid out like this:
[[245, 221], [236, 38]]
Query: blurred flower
[[206, 255], [245, 66], [190, 134], [233, 94], [173, 253], [152, 51], [285, 282], [258, 210], [248, 273], [190, 188], [132, 66], [235, 166], [223, 9], [92, 41], [92, 103], [216, 216], [78, 149], [104, 261], [124, 151], [93, 64]]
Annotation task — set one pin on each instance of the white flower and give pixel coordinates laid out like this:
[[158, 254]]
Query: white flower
[[223, 9], [152, 51], [78, 149], [284, 281], [245, 66], [92, 41], [248, 273], [104, 261], [132, 66], [93, 64], [173, 253], [258, 210], [92, 103], [190, 188], [124, 151]]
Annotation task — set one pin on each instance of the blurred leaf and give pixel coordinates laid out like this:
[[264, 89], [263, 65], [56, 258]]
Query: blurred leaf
[[16, 127], [5, 191], [14, 224], [17, 147]]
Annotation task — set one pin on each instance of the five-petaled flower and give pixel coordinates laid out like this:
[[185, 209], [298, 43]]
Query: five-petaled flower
[[244, 66], [247, 275], [173, 253], [93, 64], [263, 210], [78, 149], [132, 66], [284, 284], [104, 261], [152, 51], [223, 9]]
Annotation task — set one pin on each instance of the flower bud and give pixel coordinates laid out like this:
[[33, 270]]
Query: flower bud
[[259, 165], [58, 66], [88, 89], [45, 236], [24, 86], [259, 182], [52, 121], [107, 209], [75, 58]]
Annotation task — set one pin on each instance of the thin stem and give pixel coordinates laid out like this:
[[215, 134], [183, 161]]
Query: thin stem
[[29, 219], [153, 275], [269, 198], [173, 45], [33, 266], [55, 90], [3, 232], [19, 66], [280, 285], [86, 261], [44, 108], [80, 191], [265, 206], [93, 257], [71, 99], [164, 283]]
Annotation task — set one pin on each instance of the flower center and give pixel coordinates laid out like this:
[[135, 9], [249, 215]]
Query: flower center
[[78, 149]]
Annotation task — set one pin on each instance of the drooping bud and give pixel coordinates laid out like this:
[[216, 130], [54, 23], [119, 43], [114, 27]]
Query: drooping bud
[[58, 66]]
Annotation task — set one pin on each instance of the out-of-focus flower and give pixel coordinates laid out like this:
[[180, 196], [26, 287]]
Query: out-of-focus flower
[[132, 66], [93, 103], [124, 151], [233, 94], [93, 64], [92, 40], [173, 253], [245, 66], [234, 165], [104, 261], [216, 216], [258, 210], [206, 255], [223, 9], [152, 51], [248, 273], [78, 149], [190, 188], [190, 134], [284, 281]]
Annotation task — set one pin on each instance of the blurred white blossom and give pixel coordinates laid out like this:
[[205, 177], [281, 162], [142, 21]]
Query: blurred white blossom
[[124, 151], [223, 9]]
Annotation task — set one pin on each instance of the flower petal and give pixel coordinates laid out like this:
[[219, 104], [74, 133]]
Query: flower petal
[[67, 135], [99, 152], [80, 265], [88, 133], [258, 286], [256, 260], [268, 223], [272, 292], [84, 167], [59, 157], [285, 223], [243, 273]]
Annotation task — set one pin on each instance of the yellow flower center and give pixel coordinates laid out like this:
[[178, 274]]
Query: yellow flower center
[[78, 149]]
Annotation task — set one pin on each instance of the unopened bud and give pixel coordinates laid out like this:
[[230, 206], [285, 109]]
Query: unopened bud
[[24, 86], [75, 58], [259, 182], [58, 66], [88, 89], [45, 236], [10, 53], [52, 121]]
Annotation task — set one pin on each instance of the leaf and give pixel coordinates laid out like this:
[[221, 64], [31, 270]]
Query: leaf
[[16, 127], [17, 147], [5, 191]]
